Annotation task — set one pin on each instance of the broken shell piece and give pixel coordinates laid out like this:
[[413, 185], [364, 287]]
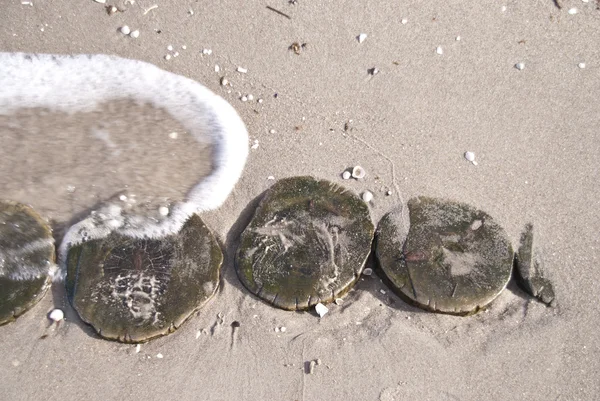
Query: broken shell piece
[[135, 34], [321, 309], [56, 315], [367, 272], [367, 196], [470, 156], [439, 50], [346, 175], [572, 11], [163, 210], [581, 65], [339, 301], [125, 30], [242, 70], [100, 1], [138, 348], [358, 172], [520, 66], [361, 38]]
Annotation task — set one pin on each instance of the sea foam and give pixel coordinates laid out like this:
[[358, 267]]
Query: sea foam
[[82, 82]]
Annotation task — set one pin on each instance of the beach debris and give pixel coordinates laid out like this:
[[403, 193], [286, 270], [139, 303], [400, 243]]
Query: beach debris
[[439, 50], [190, 12], [470, 156], [56, 315], [163, 211], [250, 97], [206, 52], [458, 38], [361, 38], [520, 66], [224, 81], [27, 3], [531, 270], [168, 57], [311, 367], [160, 356], [467, 273], [279, 12], [242, 70], [339, 301], [26, 259], [138, 348], [389, 192], [170, 48], [270, 178], [297, 47], [110, 10], [272, 131], [373, 71], [152, 7], [346, 175], [217, 68], [367, 196], [382, 291], [503, 9], [572, 11], [133, 279], [125, 30], [290, 258], [184, 47], [321, 309], [282, 329], [358, 172], [367, 272], [135, 34], [123, 198], [581, 65], [255, 145], [244, 98]]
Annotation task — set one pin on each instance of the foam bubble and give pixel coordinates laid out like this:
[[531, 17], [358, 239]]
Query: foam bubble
[[82, 82]]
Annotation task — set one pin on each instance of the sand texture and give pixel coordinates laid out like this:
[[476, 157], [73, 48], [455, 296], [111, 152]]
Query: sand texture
[[535, 133]]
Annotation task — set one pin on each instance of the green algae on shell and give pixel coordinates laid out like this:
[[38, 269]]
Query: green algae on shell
[[530, 269], [452, 258], [133, 290], [26, 257], [307, 243]]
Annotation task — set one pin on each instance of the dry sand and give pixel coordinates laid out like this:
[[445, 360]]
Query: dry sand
[[535, 134]]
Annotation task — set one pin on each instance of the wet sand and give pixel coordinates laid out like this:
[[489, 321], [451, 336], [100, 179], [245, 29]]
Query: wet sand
[[534, 133]]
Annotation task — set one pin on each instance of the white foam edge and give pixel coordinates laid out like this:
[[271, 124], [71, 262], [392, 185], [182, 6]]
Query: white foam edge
[[81, 82]]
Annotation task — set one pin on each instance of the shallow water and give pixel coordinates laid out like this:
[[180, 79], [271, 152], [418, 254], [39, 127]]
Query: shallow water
[[67, 164]]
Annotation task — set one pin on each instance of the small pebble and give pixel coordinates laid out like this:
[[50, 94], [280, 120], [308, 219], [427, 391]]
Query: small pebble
[[242, 70], [382, 291], [250, 97], [321, 309], [439, 50], [458, 38], [224, 81], [374, 71], [163, 210], [207, 52], [270, 177], [56, 315], [572, 11], [311, 367], [170, 48], [283, 329], [135, 34], [318, 361], [581, 65], [346, 175], [367, 272], [184, 47], [175, 54], [259, 100], [470, 156], [361, 38], [173, 135], [125, 30], [520, 66], [367, 196], [217, 68], [388, 193], [70, 189], [255, 145], [123, 198], [113, 9], [503, 8], [159, 356], [138, 348], [168, 57], [244, 99], [272, 131]]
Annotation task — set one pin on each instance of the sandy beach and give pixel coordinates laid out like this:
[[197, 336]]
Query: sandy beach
[[429, 83]]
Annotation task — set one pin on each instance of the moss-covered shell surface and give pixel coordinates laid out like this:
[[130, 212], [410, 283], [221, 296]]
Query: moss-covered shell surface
[[455, 259], [26, 255], [132, 290], [307, 243]]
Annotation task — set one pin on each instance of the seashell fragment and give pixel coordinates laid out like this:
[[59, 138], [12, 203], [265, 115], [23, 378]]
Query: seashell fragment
[[358, 172], [520, 66], [367, 196], [135, 34], [56, 315], [321, 309], [470, 156], [125, 30], [361, 38]]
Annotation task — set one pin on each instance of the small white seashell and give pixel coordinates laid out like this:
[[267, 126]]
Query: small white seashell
[[388, 193], [175, 54], [346, 175], [361, 38], [217, 68], [159, 356], [242, 70], [170, 48], [439, 50], [283, 329], [321, 309], [113, 9], [404, 21], [138, 348], [339, 301], [100, 1], [244, 98], [572, 11], [367, 196], [123, 198], [470, 156], [581, 65], [255, 145], [276, 329], [56, 315], [173, 135], [163, 210], [207, 52], [367, 272], [503, 8], [270, 177], [259, 100], [520, 66], [272, 131], [184, 47], [250, 97], [125, 30], [358, 172], [135, 34], [458, 38], [168, 57]]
